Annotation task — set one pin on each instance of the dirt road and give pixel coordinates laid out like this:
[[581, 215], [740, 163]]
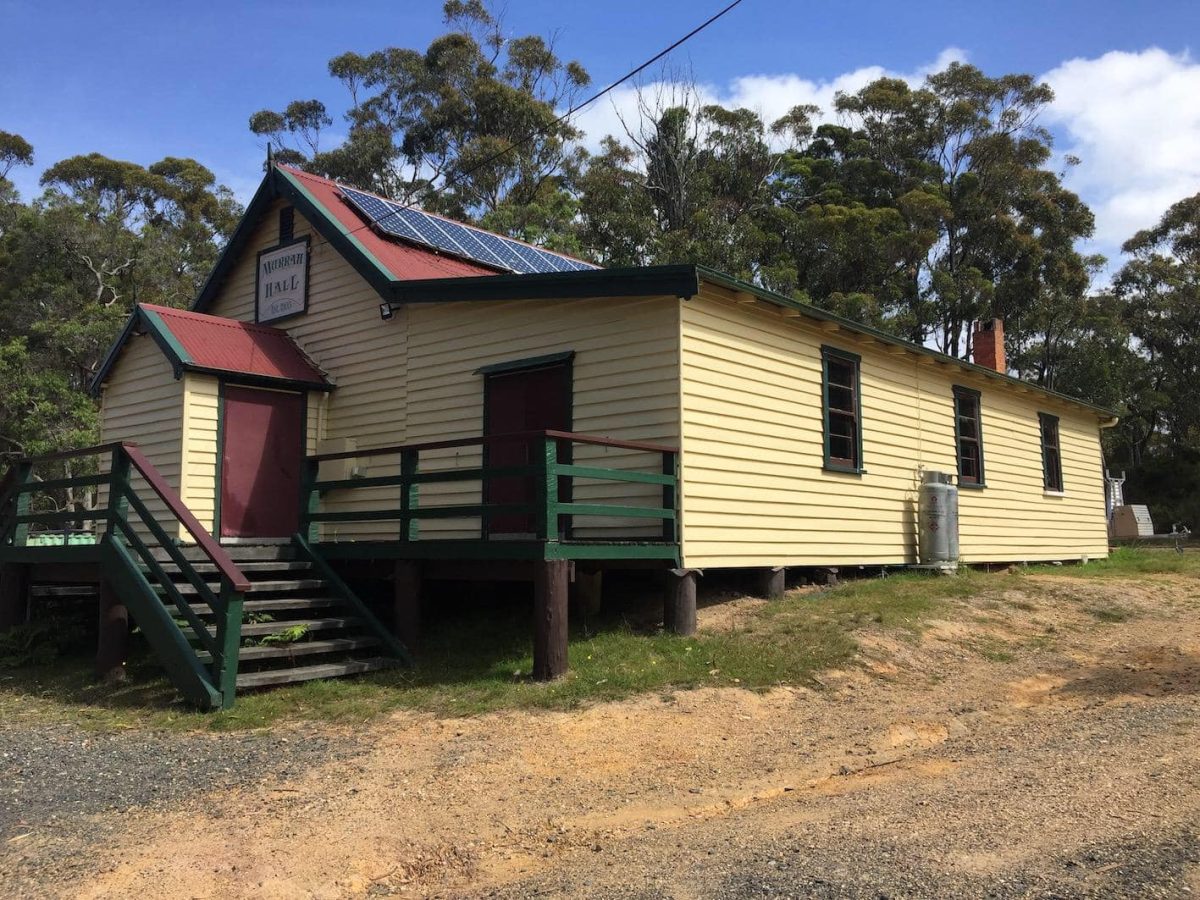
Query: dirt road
[[1042, 742]]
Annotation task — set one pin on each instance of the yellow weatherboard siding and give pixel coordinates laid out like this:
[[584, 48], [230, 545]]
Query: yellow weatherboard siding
[[412, 379], [625, 387], [199, 468], [755, 491], [143, 402]]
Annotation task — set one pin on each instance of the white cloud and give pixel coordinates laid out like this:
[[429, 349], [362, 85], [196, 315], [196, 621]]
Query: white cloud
[[771, 96], [1133, 119]]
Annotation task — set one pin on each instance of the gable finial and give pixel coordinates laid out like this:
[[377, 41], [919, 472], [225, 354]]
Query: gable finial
[[270, 157]]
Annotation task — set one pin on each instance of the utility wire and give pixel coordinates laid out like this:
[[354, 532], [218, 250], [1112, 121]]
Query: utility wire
[[565, 116]]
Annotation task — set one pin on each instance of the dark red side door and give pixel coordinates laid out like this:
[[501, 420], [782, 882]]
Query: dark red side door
[[524, 400], [263, 441]]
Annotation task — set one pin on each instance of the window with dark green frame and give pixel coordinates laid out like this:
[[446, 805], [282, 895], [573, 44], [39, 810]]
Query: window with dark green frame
[[842, 402], [1052, 477], [968, 435]]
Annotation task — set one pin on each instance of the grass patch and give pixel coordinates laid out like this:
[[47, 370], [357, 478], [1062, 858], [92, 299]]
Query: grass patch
[[479, 660], [1131, 561]]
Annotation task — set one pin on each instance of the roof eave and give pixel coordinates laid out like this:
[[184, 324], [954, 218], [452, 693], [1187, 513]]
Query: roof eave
[[681, 281], [728, 281]]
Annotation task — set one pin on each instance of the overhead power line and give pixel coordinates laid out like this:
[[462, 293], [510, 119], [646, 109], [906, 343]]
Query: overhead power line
[[632, 73]]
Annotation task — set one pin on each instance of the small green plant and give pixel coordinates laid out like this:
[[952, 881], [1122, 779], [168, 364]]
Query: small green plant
[[288, 635]]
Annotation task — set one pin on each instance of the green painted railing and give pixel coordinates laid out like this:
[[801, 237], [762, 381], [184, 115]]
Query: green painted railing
[[548, 482], [129, 534]]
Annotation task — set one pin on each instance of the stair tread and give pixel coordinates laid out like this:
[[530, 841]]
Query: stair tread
[[308, 673], [272, 605], [256, 587], [237, 552], [258, 629], [248, 568], [302, 648]]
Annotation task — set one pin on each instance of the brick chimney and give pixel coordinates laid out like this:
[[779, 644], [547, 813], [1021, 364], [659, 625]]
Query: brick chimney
[[987, 345]]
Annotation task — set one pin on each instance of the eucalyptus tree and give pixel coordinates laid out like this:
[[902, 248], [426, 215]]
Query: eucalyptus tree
[[470, 127]]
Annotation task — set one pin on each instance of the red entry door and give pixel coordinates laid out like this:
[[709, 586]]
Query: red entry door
[[263, 438], [525, 400]]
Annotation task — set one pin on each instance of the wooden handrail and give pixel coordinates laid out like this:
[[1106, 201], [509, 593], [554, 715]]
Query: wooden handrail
[[205, 541], [492, 438], [72, 454]]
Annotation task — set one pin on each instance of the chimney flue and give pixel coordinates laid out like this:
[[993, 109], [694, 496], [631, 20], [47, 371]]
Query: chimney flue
[[987, 343]]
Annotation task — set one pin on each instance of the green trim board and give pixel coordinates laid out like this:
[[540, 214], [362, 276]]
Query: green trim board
[[835, 464], [174, 350], [532, 362], [154, 326], [614, 551]]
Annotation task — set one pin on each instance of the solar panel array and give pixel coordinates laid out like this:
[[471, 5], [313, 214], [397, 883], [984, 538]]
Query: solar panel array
[[411, 224]]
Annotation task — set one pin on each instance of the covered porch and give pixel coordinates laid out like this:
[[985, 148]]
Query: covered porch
[[548, 506]]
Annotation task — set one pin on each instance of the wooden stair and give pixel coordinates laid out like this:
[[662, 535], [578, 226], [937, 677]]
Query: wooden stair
[[295, 627]]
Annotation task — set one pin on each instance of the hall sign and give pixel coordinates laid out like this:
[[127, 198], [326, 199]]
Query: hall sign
[[281, 286]]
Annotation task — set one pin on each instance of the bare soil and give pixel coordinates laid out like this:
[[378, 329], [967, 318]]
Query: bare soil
[[1043, 743]]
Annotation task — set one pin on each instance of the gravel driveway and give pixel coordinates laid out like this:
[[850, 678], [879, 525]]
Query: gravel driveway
[[1020, 747], [63, 789]]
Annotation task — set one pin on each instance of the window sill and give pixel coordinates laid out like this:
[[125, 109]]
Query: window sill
[[843, 470], [971, 485], [1054, 493]]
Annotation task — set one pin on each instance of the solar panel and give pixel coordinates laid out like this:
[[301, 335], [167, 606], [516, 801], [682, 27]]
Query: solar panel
[[464, 241]]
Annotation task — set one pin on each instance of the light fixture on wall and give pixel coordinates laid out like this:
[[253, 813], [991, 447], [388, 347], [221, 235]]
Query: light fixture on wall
[[385, 311]]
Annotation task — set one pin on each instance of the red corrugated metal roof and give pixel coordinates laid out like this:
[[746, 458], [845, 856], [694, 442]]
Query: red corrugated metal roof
[[226, 345], [403, 261]]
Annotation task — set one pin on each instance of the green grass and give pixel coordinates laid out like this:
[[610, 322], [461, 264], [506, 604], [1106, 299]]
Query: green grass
[[1131, 561], [477, 662], [480, 659]]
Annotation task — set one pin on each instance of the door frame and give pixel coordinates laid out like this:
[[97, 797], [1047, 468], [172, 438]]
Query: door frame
[[219, 483], [566, 359]]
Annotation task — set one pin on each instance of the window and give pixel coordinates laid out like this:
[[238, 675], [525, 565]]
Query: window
[[1052, 478], [968, 433], [843, 410]]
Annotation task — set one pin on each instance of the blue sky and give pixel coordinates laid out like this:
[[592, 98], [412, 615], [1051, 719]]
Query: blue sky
[[145, 80]]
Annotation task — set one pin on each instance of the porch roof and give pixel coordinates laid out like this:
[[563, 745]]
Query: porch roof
[[240, 351]]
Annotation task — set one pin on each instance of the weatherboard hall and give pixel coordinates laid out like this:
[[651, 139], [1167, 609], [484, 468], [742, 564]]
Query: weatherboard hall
[[362, 389]]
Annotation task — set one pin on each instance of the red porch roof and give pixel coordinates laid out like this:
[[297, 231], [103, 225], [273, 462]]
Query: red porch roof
[[225, 345]]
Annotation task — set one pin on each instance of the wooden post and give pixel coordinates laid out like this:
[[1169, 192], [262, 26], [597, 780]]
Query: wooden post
[[588, 589], [310, 500], [112, 649], [406, 602], [409, 493], [550, 619], [229, 641], [21, 505], [14, 595], [827, 576], [772, 582], [679, 606]]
